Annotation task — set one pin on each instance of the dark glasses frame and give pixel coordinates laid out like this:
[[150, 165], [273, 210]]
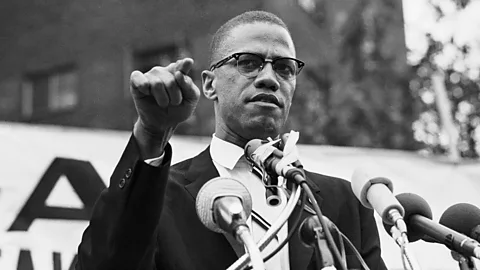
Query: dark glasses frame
[[237, 56]]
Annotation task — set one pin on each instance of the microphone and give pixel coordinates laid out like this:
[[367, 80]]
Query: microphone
[[375, 192], [413, 205], [264, 155], [223, 205], [463, 218], [421, 224]]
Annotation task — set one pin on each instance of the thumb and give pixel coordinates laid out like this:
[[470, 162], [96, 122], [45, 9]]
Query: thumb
[[139, 82]]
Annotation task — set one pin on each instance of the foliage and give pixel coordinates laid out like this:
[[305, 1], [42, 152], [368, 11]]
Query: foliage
[[463, 91], [361, 98]]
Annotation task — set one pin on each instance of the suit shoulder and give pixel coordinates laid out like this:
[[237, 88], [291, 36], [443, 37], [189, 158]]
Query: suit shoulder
[[327, 180], [330, 186]]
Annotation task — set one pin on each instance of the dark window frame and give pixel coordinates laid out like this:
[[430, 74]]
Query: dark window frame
[[39, 81]]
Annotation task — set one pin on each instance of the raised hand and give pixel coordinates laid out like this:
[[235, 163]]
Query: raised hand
[[164, 97]]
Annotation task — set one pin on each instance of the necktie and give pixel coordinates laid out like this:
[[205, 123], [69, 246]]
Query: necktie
[[264, 215]]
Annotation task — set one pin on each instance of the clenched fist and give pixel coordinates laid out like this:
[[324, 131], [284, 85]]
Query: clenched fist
[[164, 97]]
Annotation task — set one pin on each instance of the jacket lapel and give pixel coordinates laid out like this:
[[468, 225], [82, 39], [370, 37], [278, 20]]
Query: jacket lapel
[[201, 171]]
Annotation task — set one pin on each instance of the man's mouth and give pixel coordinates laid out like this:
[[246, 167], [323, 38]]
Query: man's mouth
[[267, 98]]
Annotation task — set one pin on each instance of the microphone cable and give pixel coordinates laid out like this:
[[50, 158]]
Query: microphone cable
[[404, 255], [352, 248], [291, 232], [408, 259], [270, 234], [294, 227], [299, 179]]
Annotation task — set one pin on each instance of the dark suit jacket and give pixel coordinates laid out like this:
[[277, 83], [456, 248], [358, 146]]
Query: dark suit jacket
[[143, 221]]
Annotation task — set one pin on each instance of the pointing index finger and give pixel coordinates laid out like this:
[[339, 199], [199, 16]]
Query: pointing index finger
[[184, 65]]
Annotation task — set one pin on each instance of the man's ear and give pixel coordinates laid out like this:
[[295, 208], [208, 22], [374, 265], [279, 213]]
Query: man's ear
[[208, 85]]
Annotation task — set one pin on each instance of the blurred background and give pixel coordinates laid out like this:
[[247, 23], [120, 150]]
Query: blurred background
[[381, 74], [394, 82]]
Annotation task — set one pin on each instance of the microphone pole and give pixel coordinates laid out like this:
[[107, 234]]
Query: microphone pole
[[464, 262], [312, 234], [405, 249], [322, 252], [244, 236], [376, 192]]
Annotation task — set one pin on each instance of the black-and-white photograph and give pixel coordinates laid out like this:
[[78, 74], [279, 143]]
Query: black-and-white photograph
[[237, 135]]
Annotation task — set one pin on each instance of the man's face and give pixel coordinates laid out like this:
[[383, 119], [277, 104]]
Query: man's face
[[246, 107]]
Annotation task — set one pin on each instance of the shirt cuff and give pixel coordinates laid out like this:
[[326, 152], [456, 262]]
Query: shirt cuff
[[156, 162]]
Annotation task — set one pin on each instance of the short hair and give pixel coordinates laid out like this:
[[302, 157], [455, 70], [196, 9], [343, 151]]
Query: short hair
[[248, 17]]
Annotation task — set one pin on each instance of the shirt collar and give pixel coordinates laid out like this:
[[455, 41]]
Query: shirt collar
[[224, 153]]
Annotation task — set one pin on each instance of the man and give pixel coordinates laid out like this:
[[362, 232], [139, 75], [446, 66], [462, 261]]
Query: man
[[146, 219]]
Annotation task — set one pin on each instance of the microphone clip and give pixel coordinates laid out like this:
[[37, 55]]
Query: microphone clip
[[272, 160], [271, 184]]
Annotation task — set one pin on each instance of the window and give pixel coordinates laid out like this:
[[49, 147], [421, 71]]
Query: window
[[9, 98], [54, 91]]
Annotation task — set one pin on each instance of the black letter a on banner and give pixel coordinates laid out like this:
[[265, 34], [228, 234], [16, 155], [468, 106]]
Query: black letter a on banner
[[85, 181]]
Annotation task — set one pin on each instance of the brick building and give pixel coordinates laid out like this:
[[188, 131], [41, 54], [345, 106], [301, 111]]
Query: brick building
[[68, 62]]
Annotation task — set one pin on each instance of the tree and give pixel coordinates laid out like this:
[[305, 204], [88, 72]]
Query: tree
[[362, 95], [461, 83]]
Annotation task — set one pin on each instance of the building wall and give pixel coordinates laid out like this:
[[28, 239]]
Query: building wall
[[100, 39]]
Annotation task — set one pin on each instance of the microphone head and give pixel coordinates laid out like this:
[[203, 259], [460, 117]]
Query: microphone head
[[461, 217], [362, 180], [217, 188], [413, 205]]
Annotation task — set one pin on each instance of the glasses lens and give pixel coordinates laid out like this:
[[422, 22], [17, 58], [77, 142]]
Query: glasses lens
[[249, 64], [286, 68]]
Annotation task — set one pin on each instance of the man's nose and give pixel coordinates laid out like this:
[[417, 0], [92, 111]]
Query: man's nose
[[267, 78]]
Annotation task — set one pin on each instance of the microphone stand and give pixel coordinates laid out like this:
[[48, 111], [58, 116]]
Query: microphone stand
[[243, 234], [464, 263], [312, 235], [322, 252]]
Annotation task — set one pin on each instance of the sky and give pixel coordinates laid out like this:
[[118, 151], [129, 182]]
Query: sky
[[464, 26]]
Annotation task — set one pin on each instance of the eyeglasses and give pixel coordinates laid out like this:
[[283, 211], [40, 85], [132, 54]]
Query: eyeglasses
[[250, 65]]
